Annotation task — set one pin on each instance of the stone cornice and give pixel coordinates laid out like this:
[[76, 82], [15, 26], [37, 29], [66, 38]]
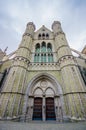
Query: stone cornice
[[21, 58], [65, 57]]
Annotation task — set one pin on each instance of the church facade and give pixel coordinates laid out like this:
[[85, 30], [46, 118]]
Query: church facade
[[42, 80]]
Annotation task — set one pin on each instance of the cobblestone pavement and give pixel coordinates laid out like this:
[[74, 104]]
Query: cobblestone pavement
[[5, 125]]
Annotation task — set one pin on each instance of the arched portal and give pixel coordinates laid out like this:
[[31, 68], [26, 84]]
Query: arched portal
[[44, 98]]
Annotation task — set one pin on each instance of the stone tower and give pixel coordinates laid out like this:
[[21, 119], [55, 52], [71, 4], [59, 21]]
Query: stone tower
[[43, 80]]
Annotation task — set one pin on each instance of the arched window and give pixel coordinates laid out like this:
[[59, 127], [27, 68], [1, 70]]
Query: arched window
[[39, 36], [43, 36], [43, 47], [37, 51], [49, 47], [49, 50], [43, 53], [47, 35], [37, 48]]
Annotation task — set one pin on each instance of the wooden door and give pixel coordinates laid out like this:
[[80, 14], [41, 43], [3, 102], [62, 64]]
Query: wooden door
[[37, 110], [50, 109]]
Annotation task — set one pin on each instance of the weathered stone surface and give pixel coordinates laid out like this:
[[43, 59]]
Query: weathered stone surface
[[27, 79]]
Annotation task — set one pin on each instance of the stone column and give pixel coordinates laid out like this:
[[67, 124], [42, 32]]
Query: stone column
[[44, 109]]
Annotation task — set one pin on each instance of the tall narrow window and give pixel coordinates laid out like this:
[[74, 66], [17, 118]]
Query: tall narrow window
[[83, 73], [35, 58], [37, 48], [47, 35], [49, 58], [3, 79], [41, 57], [49, 47], [49, 50], [43, 47], [37, 51], [43, 36], [39, 36], [44, 57]]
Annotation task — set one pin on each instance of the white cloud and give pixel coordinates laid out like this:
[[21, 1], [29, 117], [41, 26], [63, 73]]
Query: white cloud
[[15, 15]]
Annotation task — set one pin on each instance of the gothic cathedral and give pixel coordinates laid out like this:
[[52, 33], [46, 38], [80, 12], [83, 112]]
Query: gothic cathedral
[[42, 80]]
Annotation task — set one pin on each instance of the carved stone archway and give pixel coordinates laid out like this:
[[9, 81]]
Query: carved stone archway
[[44, 86]]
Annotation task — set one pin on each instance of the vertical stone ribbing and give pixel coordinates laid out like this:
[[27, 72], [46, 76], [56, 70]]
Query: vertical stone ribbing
[[72, 83], [13, 87]]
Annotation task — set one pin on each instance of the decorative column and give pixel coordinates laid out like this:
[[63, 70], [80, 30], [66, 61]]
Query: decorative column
[[44, 109]]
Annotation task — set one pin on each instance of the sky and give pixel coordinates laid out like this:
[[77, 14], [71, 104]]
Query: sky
[[15, 14]]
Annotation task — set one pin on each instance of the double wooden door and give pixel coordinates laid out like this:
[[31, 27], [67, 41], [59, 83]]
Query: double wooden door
[[49, 111]]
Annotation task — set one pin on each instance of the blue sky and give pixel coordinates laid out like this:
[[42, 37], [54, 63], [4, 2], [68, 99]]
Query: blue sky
[[15, 14]]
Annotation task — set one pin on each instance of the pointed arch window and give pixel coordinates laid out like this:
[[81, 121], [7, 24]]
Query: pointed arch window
[[47, 35], [37, 49], [43, 52], [43, 47], [43, 35], [39, 36], [49, 47], [49, 50]]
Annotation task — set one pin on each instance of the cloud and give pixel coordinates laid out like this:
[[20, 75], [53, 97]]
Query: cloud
[[14, 15]]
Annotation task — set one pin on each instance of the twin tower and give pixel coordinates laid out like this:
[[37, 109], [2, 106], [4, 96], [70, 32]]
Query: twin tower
[[43, 81]]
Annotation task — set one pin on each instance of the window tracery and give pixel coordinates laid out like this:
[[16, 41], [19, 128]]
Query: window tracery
[[43, 52]]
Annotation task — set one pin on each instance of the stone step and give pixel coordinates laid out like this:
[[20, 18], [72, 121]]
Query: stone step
[[9, 125]]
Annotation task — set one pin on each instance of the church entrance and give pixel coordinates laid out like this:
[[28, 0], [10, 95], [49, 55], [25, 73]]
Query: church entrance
[[44, 102], [48, 112]]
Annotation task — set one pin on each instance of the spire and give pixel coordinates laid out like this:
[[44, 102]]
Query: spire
[[56, 26], [30, 28]]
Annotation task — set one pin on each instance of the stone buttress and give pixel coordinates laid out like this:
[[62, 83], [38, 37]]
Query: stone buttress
[[74, 89], [12, 95]]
